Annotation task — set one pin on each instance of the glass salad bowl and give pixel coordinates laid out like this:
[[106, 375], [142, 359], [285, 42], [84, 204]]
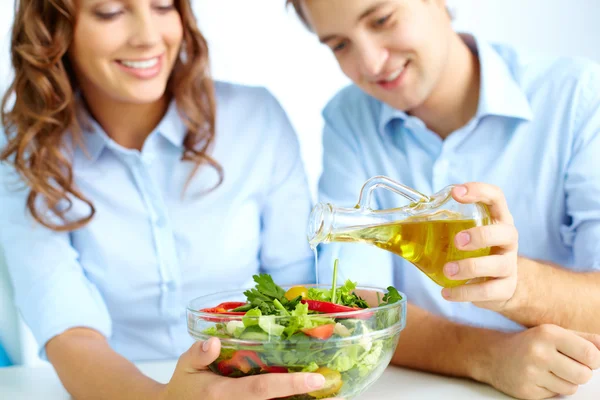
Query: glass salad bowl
[[350, 346]]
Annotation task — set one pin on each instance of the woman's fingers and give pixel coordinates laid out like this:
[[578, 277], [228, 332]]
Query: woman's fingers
[[268, 386], [200, 355]]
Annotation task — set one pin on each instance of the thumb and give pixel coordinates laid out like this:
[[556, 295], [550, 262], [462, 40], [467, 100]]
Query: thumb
[[200, 355]]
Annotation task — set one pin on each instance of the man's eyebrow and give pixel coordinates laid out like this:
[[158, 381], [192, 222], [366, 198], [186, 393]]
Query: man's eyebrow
[[362, 16], [370, 10]]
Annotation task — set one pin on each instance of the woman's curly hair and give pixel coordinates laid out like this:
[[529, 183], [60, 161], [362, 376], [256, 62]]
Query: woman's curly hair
[[44, 106]]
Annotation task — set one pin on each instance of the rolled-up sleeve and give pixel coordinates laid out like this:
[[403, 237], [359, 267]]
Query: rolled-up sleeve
[[285, 253], [51, 290], [582, 184]]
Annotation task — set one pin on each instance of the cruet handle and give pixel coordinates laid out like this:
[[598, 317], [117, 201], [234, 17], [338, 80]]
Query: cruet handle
[[384, 182]]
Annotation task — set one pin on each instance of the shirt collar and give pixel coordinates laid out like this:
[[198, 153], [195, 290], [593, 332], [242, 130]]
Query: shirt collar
[[499, 93], [171, 127]]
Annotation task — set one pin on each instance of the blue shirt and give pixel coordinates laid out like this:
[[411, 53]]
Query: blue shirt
[[148, 251], [4, 359], [536, 135]]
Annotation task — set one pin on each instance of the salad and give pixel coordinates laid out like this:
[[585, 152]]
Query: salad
[[328, 330]]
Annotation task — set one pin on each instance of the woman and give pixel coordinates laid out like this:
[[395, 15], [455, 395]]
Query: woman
[[133, 183], [429, 108]]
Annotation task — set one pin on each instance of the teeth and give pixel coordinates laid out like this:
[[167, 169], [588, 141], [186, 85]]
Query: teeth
[[140, 64], [394, 75]]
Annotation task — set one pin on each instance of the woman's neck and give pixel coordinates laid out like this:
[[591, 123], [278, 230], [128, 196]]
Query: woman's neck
[[453, 102], [128, 124]]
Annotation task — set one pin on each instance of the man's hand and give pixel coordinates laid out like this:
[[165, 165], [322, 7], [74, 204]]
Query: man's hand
[[542, 362], [501, 265]]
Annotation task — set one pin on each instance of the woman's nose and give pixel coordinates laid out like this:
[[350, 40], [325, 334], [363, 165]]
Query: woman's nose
[[145, 29]]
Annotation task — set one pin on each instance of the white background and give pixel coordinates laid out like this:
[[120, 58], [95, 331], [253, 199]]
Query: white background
[[258, 42]]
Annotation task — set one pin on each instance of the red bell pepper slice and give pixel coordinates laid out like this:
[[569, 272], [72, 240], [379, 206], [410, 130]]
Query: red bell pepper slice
[[322, 332], [217, 310], [221, 311], [329, 308], [224, 308], [230, 305]]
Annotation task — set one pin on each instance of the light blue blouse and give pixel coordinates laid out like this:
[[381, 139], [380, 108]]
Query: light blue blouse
[[149, 250]]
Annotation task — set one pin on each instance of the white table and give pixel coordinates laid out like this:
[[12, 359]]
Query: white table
[[21, 383]]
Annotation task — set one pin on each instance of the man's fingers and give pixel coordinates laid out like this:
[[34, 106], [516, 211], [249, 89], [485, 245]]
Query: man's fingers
[[494, 266], [200, 355], [558, 386], [569, 370], [591, 337], [500, 289], [581, 347], [268, 386], [497, 235], [490, 195]]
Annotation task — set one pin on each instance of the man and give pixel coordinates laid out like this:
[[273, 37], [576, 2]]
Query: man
[[429, 108]]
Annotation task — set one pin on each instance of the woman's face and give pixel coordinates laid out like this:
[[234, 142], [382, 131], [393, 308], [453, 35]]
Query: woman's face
[[125, 50], [394, 50]]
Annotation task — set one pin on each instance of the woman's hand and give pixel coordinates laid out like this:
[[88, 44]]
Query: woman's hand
[[501, 265], [193, 380]]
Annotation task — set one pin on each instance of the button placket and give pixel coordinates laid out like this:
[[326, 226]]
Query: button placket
[[163, 240]]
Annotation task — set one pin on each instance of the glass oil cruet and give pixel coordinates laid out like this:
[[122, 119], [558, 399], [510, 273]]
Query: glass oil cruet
[[422, 232]]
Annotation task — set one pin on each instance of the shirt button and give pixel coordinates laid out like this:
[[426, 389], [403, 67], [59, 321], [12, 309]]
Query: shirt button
[[167, 286]]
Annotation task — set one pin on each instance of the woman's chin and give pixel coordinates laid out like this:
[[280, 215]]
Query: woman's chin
[[144, 96]]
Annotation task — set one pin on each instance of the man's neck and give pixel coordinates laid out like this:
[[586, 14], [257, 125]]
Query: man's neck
[[453, 102]]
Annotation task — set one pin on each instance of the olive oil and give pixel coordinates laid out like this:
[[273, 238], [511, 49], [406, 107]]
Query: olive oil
[[314, 250], [429, 245]]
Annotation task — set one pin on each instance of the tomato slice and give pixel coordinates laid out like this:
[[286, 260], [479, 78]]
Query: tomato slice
[[322, 332], [244, 361], [228, 367], [333, 383]]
